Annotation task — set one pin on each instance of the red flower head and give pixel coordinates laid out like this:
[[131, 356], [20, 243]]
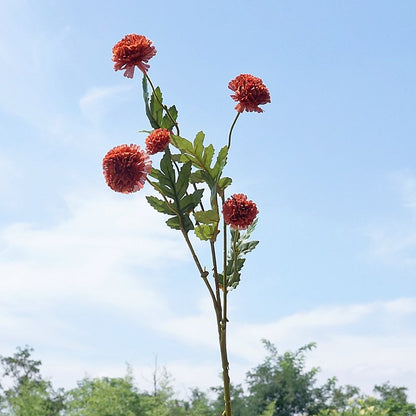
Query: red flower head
[[157, 141], [238, 212], [125, 168], [133, 50], [250, 92]]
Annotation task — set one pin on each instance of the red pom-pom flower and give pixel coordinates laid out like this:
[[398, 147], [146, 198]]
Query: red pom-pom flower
[[239, 212], [126, 167], [133, 50], [157, 141], [250, 92]]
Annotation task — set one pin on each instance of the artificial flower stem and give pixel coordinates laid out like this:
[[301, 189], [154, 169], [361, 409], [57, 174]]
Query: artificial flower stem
[[215, 271], [163, 105], [225, 367], [202, 272], [231, 129], [222, 324]]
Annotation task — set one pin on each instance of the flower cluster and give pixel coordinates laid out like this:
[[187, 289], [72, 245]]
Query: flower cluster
[[239, 212], [157, 141], [126, 167], [250, 92], [133, 50], [189, 165]]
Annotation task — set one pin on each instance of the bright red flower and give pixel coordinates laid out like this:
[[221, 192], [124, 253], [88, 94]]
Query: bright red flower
[[157, 141], [250, 92], [126, 167], [239, 212], [133, 50]]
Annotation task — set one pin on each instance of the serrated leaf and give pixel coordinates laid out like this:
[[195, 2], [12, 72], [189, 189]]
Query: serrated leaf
[[189, 202], [176, 157], [201, 157], [159, 205], [196, 177], [183, 179], [205, 232], [168, 120], [220, 163], [208, 155], [240, 246], [149, 115], [174, 186], [181, 143], [199, 143], [224, 182], [174, 223], [206, 217], [156, 106]]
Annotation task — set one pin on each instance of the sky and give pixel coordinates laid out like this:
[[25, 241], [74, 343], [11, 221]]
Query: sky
[[92, 279]]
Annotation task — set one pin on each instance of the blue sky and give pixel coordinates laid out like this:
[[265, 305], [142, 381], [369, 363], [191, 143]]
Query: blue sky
[[92, 279]]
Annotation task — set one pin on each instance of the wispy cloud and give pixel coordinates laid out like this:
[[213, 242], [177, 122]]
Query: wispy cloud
[[106, 252], [362, 344], [98, 101], [95, 254]]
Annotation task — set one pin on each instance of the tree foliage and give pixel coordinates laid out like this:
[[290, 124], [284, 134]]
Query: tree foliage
[[27, 393], [284, 381], [280, 386]]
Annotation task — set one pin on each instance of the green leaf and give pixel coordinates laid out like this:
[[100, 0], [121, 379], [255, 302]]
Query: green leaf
[[201, 157], [174, 186], [166, 121], [196, 177], [159, 205], [149, 115], [224, 182], [240, 246], [199, 143], [189, 202], [174, 223], [183, 179], [205, 232], [181, 143], [206, 217], [156, 106], [220, 163]]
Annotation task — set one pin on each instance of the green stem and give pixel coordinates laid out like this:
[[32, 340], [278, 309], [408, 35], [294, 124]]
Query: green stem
[[215, 271], [222, 326], [231, 130], [163, 105], [201, 270], [204, 274], [225, 369]]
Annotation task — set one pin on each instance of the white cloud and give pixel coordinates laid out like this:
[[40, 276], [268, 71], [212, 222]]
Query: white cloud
[[99, 101], [361, 344], [107, 252], [102, 252]]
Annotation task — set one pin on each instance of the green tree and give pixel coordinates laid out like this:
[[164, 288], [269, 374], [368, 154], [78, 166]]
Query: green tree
[[238, 401], [104, 397], [27, 394], [282, 379], [199, 404], [392, 401]]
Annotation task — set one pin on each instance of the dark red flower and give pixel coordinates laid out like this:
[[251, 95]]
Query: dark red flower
[[126, 167], [250, 92], [133, 50], [238, 212], [157, 141]]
